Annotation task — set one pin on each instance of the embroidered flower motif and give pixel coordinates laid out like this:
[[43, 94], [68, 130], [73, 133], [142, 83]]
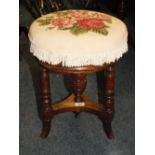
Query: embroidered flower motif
[[102, 17], [79, 15], [62, 23], [77, 21], [90, 24]]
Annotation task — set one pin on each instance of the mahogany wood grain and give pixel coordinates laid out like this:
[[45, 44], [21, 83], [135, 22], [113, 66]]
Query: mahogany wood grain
[[69, 105], [47, 112], [109, 100], [78, 83], [73, 70]]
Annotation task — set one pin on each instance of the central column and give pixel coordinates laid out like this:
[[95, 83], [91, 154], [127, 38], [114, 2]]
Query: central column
[[78, 84]]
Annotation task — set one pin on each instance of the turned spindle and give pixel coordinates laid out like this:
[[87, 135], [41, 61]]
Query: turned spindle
[[109, 99], [47, 113]]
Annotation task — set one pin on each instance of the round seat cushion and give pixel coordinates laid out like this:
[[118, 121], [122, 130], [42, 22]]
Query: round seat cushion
[[78, 38]]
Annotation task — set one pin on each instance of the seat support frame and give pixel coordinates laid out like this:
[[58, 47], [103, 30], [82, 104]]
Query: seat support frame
[[77, 101]]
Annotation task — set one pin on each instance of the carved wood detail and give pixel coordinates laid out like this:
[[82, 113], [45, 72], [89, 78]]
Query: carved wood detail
[[109, 100], [78, 83], [46, 109]]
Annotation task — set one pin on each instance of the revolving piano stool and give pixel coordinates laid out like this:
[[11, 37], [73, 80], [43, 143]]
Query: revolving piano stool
[[78, 42]]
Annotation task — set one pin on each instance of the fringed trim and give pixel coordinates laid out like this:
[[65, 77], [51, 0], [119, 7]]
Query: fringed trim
[[76, 59]]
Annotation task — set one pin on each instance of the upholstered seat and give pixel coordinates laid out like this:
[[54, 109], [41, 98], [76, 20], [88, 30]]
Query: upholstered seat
[[78, 38], [76, 43]]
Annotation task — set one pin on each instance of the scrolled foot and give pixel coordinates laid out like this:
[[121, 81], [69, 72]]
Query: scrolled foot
[[108, 130], [111, 135], [46, 129]]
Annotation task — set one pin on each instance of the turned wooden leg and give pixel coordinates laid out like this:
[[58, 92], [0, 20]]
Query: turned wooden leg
[[46, 109], [78, 85], [109, 100], [100, 77]]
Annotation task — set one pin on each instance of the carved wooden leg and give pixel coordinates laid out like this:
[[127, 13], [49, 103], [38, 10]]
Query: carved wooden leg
[[109, 100], [46, 109], [100, 77], [78, 85]]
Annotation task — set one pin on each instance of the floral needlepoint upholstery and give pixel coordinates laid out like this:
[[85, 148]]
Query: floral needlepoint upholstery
[[78, 38], [77, 22]]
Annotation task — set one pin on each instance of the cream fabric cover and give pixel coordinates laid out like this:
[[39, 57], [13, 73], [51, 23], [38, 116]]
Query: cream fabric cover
[[54, 40]]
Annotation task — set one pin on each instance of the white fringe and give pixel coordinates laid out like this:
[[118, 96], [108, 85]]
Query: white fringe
[[76, 59]]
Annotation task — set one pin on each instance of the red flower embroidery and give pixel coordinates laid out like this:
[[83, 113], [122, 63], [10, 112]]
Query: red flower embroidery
[[90, 24], [79, 15], [78, 22], [60, 22], [102, 16]]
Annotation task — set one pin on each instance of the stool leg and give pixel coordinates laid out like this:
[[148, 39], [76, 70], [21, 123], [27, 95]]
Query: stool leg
[[78, 85], [109, 100], [46, 109]]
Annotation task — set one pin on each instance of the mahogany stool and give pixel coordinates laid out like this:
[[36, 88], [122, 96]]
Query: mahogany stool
[[78, 42]]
